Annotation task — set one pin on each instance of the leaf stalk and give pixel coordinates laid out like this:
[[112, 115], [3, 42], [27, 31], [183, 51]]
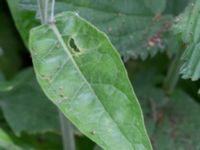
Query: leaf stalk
[[46, 11], [67, 133], [173, 73]]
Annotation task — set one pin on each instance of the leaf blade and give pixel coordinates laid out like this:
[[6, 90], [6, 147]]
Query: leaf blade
[[89, 79]]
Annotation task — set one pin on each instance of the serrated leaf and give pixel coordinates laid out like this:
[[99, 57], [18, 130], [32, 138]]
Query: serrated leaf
[[81, 72], [25, 107], [135, 27], [187, 26]]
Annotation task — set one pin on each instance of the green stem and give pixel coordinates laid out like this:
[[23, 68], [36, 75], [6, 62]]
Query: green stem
[[46, 10], [173, 73], [67, 133], [40, 8]]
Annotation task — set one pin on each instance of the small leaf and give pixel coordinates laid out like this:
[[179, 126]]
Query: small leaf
[[81, 72]]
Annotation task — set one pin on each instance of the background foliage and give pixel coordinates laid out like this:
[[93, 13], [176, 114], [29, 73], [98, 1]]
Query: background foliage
[[155, 39]]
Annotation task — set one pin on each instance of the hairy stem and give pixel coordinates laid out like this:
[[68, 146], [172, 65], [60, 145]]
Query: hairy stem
[[173, 73], [67, 133], [40, 9], [46, 11]]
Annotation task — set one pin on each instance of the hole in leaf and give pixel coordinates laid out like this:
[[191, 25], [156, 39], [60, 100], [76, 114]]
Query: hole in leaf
[[73, 46]]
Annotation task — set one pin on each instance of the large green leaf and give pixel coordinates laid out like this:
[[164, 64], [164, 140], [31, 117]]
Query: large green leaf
[[187, 26], [81, 72], [25, 107], [135, 27]]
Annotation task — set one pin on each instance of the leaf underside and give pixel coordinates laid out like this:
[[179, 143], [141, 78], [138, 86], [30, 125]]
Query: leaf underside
[[81, 72], [187, 26], [135, 27]]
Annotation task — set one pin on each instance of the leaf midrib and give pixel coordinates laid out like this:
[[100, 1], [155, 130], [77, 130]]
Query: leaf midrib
[[58, 35]]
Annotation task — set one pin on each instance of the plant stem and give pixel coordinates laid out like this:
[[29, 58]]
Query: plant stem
[[40, 8], [46, 10], [67, 133], [173, 73]]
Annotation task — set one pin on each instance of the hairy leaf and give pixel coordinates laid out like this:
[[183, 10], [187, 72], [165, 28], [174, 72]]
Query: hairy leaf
[[135, 27], [81, 72], [187, 26], [25, 107]]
